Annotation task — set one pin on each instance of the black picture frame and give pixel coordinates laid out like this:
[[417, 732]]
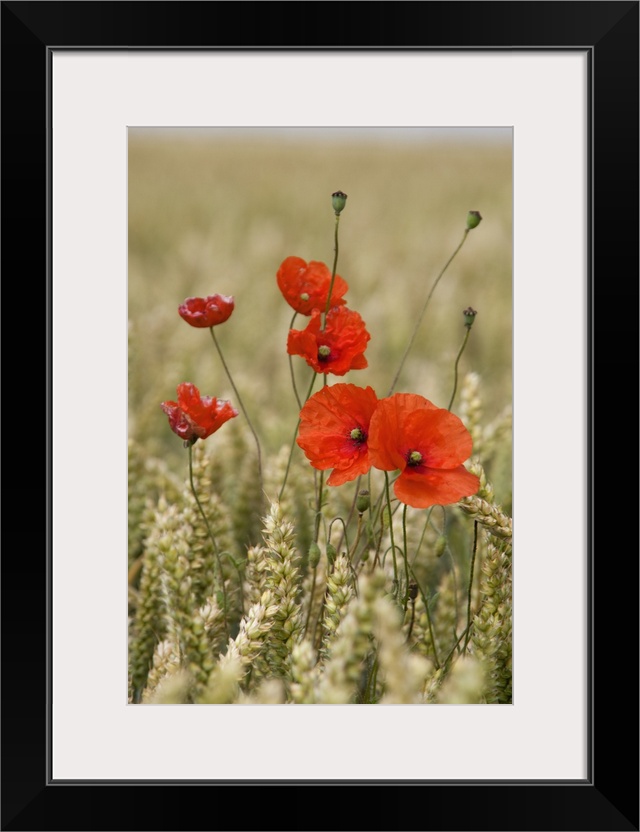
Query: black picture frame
[[608, 798]]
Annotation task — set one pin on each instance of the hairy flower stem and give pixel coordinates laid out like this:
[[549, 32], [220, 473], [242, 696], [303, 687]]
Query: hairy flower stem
[[424, 309], [293, 441], [242, 407], [455, 368], [333, 272], [393, 548], [211, 537], [473, 561], [406, 558]]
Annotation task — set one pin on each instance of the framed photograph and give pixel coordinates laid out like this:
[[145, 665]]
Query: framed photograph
[[182, 181]]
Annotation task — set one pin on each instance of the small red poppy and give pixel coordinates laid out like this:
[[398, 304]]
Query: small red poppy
[[305, 286], [334, 427], [207, 312], [195, 417], [336, 349], [428, 444]]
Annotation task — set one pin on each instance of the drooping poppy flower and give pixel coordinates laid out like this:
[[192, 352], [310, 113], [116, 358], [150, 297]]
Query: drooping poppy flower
[[305, 286], [334, 428], [195, 417], [207, 312], [428, 444], [336, 349]]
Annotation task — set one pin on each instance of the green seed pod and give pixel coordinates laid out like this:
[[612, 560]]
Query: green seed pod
[[363, 501], [469, 316], [314, 555], [338, 200], [473, 219]]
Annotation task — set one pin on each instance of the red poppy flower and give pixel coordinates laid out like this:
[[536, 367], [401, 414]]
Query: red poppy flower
[[194, 417], [305, 286], [206, 312], [336, 349], [334, 428], [428, 444]]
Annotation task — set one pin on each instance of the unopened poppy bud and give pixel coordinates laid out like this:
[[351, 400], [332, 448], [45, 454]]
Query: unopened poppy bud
[[332, 553], [363, 501], [473, 219], [314, 555], [338, 200], [365, 556], [469, 316], [413, 590], [441, 545]]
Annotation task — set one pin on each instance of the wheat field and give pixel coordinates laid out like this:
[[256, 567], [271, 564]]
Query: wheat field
[[226, 601]]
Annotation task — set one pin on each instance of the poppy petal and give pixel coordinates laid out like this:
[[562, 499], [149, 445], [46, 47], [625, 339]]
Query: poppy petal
[[327, 422], [435, 487], [305, 286]]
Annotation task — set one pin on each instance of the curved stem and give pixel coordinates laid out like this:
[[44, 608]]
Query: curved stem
[[242, 407], [424, 309], [216, 551], [455, 369], [343, 537]]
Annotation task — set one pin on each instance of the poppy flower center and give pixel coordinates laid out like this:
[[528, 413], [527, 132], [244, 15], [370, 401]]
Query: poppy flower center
[[414, 458], [324, 352], [357, 435]]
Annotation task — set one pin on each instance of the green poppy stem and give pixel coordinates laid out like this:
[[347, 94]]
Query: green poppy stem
[[424, 309], [293, 377], [455, 368], [406, 558], [333, 272], [242, 407], [216, 551], [393, 548], [293, 441]]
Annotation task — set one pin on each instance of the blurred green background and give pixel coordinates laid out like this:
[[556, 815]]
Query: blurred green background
[[216, 211]]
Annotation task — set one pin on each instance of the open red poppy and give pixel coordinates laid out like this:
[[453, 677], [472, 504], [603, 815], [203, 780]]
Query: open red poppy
[[336, 349], [334, 428], [195, 417], [207, 312], [428, 444], [305, 286]]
